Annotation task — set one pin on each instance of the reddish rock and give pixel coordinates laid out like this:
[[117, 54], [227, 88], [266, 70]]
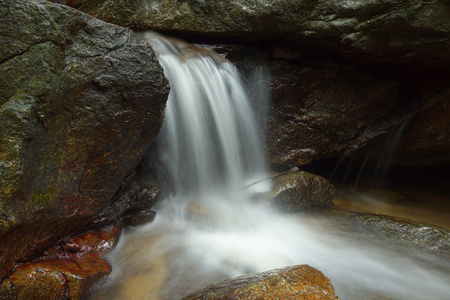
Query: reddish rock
[[102, 240], [60, 278], [296, 282], [67, 272]]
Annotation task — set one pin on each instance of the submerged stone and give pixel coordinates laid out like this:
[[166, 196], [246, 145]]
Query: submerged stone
[[296, 282]]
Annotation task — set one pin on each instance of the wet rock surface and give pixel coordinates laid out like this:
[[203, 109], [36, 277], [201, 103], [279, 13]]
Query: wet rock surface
[[422, 236], [81, 100], [411, 34], [300, 191], [297, 282], [324, 112], [67, 272], [426, 140]]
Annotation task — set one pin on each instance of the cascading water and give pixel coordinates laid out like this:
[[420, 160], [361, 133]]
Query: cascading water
[[210, 139], [210, 229]]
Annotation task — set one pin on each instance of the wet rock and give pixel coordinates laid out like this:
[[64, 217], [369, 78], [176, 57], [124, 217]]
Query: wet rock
[[300, 191], [426, 140], [297, 282], [81, 101], [411, 34], [135, 197], [63, 278], [94, 241], [67, 272], [424, 236], [141, 218], [319, 113]]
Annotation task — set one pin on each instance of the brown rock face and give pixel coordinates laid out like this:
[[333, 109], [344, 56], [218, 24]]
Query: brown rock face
[[66, 273], [297, 282]]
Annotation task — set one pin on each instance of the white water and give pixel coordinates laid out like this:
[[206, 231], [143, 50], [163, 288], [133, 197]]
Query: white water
[[210, 146]]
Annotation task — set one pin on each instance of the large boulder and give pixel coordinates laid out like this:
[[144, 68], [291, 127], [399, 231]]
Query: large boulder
[[296, 282], [80, 102], [411, 34]]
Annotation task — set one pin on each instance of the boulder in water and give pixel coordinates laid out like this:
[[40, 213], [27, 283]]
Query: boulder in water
[[300, 191], [80, 102], [296, 282], [423, 236]]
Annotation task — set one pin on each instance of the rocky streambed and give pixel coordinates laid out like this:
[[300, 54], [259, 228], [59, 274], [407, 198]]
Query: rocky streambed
[[82, 100]]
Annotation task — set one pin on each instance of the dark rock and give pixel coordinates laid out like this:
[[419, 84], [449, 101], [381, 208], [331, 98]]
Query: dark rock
[[424, 236], [297, 282], [426, 140], [141, 218], [81, 101], [411, 34], [300, 191], [324, 112]]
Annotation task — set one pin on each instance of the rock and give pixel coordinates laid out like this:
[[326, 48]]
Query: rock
[[424, 236], [67, 272], [410, 34], [297, 282], [300, 191], [135, 197], [64, 278], [96, 241], [426, 140], [319, 113], [141, 218], [80, 102]]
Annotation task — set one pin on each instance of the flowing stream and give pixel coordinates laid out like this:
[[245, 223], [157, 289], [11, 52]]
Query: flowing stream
[[209, 229]]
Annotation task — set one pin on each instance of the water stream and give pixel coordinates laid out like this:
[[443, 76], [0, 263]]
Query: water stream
[[210, 229]]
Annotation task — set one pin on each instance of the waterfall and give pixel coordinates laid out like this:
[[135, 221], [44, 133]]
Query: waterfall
[[209, 141], [211, 228]]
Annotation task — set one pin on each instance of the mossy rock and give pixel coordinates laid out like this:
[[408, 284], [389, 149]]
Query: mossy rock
[[80, 102]]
